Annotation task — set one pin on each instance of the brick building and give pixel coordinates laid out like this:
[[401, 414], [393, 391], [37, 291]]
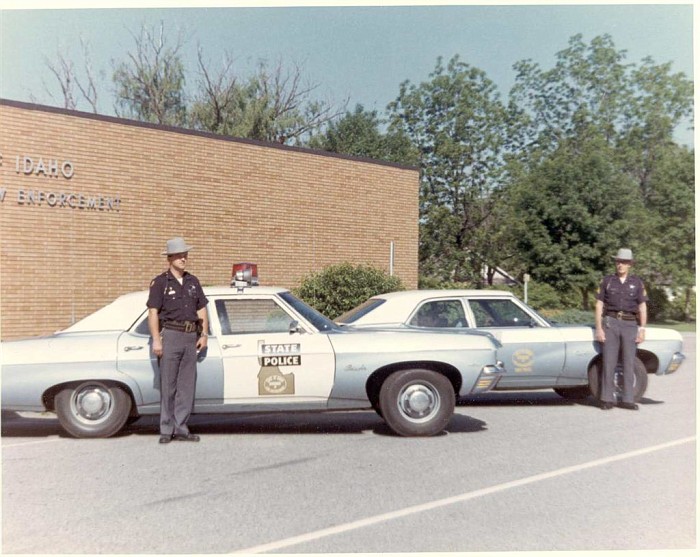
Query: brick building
[[87, 203]]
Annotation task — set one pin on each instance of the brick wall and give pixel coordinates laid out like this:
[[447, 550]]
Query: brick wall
[[291, 211]]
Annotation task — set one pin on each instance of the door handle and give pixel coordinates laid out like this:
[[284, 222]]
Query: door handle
[[130, 348], [227, 346]]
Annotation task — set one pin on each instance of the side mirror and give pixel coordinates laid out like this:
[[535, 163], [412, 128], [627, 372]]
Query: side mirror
[[294, 328]]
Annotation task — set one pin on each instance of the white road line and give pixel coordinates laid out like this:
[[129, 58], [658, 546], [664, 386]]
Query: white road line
[[372, 520], [24, 444]]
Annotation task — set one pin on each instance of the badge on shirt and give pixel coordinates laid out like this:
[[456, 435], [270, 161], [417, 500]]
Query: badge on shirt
[[171, 292]]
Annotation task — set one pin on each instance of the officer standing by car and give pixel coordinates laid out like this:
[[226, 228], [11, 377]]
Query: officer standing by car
[[177, 320], [620, 318]]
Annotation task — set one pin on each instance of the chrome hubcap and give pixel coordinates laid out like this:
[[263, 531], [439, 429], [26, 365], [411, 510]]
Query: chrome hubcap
[[418, 402], [92, 403]]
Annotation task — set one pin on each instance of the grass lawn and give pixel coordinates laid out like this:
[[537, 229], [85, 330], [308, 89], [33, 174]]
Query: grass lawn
[[679, 326]]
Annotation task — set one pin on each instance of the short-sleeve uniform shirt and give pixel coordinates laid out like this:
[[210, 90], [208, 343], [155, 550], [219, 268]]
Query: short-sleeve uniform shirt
[[175, 301], [619, 296]]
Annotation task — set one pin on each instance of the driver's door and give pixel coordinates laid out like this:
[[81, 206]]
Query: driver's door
[[534, 356], [269, 357]]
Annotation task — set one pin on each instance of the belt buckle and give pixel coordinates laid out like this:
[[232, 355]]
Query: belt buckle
[[619, 314], [189, 327]]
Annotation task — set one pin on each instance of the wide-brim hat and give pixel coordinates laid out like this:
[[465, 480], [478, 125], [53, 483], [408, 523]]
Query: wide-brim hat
[[176, 245], [624, 254]]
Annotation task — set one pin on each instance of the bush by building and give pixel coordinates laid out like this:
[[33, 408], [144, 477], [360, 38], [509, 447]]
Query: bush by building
[[339, 288]]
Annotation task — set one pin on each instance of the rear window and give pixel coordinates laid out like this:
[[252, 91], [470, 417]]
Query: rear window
[[360, 311]]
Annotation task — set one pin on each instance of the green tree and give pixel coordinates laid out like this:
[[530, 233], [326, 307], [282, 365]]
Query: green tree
[[464, 135], [574, 209], [359, 134], [666, 253], [586, 92], [607, 126], [150, 86]]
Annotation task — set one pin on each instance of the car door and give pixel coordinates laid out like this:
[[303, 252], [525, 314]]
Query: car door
[[135, 358], [534, 355], [270, 355]]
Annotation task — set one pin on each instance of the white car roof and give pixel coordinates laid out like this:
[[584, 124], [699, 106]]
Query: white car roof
[[400, 304], [444, 293], [120, 314]]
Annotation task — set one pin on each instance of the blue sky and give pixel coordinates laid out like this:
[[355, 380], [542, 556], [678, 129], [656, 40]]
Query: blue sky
[[358, 52]]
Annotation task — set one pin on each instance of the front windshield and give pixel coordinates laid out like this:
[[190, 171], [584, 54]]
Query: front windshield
[[318, 320], [363, 309]]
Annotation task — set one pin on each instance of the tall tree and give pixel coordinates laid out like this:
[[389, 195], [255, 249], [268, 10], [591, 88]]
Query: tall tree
[[667, 234], [150, 86], [573, 210], [587, 91], [359, 133], [593, 106], [273, 104], [464, 135]]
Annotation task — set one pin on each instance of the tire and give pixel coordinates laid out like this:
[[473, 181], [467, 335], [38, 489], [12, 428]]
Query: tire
[[92, 409], [417, 402], [640, 379], [573, 393]]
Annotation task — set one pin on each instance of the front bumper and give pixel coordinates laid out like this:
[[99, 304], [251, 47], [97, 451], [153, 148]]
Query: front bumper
[[488, 378], [675, 363]]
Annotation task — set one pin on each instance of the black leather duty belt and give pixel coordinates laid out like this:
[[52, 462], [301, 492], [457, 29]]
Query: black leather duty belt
[[623, 315], [182, 326]]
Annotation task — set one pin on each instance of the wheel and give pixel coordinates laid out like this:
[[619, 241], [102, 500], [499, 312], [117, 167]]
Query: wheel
[[640, 379], [92, 409], [417, 402], [573, 393]]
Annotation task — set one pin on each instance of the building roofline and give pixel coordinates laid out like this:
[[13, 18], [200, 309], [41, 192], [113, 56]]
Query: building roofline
[[196, 133]]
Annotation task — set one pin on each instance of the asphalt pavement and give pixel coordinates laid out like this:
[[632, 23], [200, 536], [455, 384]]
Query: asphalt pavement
[[525, 471]]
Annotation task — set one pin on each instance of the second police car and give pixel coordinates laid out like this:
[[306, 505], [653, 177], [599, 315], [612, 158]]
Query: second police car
[[537, 354], [268, 351]]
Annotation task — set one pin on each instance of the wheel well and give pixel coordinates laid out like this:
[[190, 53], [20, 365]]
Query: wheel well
[[49, 396], [649, 359], [376, 380]]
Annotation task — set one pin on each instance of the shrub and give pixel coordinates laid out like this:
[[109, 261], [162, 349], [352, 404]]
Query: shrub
[[339, 288]]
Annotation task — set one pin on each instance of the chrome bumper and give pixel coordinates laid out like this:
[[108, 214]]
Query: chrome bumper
[[675, 363]]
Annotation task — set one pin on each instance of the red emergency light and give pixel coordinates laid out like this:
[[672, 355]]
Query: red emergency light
[[244, 274]]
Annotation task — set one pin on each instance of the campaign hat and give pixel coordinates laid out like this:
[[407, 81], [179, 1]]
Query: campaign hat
[[624, 254], [176, 245]]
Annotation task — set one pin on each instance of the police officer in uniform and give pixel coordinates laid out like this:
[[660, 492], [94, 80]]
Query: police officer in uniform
[[620, 318], [177, 320]]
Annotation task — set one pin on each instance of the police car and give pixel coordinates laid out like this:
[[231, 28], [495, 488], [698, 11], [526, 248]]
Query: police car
[[537, 354], [267, 352]]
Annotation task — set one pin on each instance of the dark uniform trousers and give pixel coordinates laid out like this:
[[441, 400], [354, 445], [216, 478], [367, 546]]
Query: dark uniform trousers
[[619, 334], [178, 376]]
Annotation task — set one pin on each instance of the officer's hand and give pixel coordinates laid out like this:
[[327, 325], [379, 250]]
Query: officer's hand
[[157, 347], [640, 335], [600, 335], [201, 343]]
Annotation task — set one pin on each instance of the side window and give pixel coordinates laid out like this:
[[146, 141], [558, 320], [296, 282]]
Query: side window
[[241, 317], [142, 327], [498, 313], [442, 313]]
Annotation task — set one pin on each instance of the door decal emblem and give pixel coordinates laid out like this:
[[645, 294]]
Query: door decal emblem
[[271, 381]]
